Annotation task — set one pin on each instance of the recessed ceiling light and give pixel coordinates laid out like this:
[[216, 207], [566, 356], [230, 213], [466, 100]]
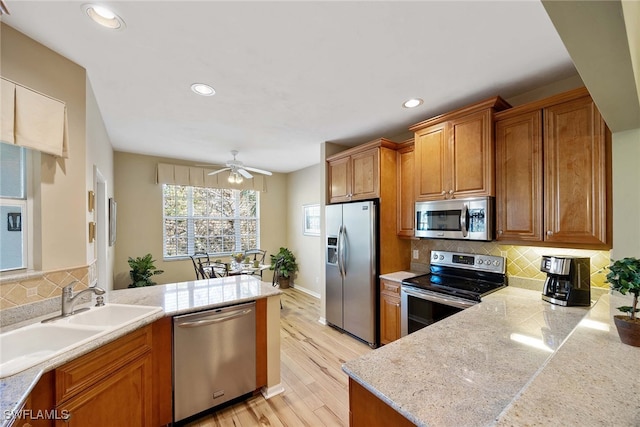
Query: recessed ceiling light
[[203, 89], [103, 16], [413, 103]]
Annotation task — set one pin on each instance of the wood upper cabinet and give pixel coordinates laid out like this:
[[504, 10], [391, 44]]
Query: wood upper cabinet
[[406, 192], [355, 174], [519, 177], [389, 311], [454, 153], [553, 173], [576, 173]]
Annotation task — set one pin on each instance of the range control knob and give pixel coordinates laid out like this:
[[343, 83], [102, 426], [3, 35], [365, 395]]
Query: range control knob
[[479, 261], [441, 257], [435, 256], [496, 263]]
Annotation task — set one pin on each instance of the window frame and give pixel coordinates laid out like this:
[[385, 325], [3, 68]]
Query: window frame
[[25, 204], [190, 218]]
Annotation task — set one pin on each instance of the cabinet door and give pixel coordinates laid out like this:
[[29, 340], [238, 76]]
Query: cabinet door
[[406, 196], [431, 149], [365, 170], [576, 173], [339, 180], [389, 311], [472, 156], [519, 178], [122, 399]]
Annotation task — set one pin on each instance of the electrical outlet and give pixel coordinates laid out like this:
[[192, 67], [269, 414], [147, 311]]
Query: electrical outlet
[[416, 254]]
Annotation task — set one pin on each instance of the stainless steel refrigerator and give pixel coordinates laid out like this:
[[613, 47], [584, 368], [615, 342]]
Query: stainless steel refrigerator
[[351, 269]]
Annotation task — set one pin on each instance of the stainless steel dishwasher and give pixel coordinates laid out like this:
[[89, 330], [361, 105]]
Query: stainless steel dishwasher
[[214, 358]]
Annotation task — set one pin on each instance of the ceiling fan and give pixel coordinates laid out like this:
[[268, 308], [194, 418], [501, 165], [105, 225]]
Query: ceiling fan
[[238, 168]]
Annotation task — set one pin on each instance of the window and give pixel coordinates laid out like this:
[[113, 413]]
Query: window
[[13, 207], [217, 221]]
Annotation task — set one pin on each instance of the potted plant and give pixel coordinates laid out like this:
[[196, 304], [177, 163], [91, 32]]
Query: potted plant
[[287, 267], [624, 276], [142, 269]]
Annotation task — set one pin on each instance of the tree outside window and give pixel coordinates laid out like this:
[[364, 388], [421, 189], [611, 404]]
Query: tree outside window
[[217, 221]]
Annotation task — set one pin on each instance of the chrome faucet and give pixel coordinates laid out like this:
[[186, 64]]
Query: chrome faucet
[[69, 300]]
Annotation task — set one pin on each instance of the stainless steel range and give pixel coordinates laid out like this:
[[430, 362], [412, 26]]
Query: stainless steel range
[[456, 281]]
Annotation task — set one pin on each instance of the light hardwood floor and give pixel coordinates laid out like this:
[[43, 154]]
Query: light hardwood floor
[[316, 390]]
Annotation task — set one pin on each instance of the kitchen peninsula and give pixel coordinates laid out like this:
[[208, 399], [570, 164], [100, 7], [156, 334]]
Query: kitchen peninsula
[[175, 299], [510, 360]]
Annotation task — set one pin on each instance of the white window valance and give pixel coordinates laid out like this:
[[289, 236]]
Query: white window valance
[[31, 119], [199, 177]]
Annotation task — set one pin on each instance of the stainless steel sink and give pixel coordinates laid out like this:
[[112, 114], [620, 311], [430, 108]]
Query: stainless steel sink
[[31, 345]]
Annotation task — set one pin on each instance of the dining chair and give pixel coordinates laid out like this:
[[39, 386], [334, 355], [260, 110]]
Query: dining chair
[[256, 255], [200, 263]]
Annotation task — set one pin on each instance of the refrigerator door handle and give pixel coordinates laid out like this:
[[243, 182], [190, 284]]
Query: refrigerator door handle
[[342, 251]]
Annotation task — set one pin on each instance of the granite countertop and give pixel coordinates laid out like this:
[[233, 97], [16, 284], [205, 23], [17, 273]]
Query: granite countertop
[[399, 276], [505, 358], [174, 298]]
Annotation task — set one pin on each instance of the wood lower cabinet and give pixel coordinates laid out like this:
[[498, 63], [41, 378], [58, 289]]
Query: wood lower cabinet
[[124, 383], [454, 153], [366, 410], [389, 311], [109, 386], [553, 167], [406, 193]]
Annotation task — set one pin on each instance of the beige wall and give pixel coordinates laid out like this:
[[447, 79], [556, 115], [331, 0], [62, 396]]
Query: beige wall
[[62, 191], [626, 195], [139, 201], [61, 251], [303, 189]]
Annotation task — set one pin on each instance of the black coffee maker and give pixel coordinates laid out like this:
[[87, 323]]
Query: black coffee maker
[[568, 280]]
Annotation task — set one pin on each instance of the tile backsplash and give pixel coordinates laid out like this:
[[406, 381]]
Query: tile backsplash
[[28, 288], [522, 261]]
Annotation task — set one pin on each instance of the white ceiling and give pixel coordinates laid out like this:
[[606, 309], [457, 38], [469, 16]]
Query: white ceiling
[[290, 75]]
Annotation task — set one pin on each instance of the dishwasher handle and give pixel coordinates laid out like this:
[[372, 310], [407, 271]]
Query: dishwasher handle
[[214, 318]]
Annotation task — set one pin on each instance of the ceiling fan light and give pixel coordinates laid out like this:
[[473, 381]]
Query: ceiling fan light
[[231, 179], [239, 179]]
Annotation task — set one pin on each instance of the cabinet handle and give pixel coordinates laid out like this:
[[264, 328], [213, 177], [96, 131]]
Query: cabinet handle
[[443, 192], [499, 231], [549, 233], [450, 191]]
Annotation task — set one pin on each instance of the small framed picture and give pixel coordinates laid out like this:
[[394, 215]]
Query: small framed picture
[[311, 220]]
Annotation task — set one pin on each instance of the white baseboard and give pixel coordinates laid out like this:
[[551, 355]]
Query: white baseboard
[[323, 321], [306, 291], [269, 392]]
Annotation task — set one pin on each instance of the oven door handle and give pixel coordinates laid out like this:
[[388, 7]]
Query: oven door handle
[[441, 299], [464, 227]]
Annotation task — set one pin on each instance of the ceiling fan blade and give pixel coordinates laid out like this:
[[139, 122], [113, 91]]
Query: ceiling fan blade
[[218, 171], [262, 171], [244, 173]]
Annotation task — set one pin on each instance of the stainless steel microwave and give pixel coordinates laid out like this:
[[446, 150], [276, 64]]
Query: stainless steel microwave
[[462, 219]]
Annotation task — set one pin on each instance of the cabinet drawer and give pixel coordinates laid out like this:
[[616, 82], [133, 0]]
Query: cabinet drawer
[[86, 370], [389, 287]]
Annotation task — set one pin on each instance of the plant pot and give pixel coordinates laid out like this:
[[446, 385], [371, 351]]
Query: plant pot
[[628, 330], [284, 282]]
